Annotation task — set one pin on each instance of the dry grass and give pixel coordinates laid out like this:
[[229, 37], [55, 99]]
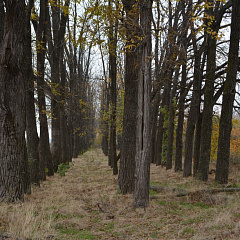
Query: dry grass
[[85, 204]]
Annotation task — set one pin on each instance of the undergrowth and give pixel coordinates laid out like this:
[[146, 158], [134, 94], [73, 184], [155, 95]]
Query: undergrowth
[[86, 204]]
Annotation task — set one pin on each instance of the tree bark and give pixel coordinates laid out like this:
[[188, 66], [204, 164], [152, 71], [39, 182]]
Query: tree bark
[[56, 45], [31, 127], [197, 144], [186, 7], [143, 149], [128, 151], [206, 129], [193, 115], [225, 127], [113, 90], [2, 21], [171, 124], [45, 157], [13, 161]]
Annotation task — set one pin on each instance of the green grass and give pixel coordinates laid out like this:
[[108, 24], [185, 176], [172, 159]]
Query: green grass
[[188, 230], [66, 216], [195, 205], [154, 183], [75, 233], [107, 228], [162, 203], [189, 221], [152, 193]]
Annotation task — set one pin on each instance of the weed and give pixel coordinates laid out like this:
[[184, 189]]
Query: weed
[[75, 233], [217, 227], [162, 203], [192, 220], [154, 183], [95, 220], [152, 193], [107, 228], [63, 168], [237, 215], [61, 216], [201, 205], [188, 230], [195, 205], [155, 235]]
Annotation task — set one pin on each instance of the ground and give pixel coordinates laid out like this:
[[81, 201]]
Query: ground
[[86, 204]]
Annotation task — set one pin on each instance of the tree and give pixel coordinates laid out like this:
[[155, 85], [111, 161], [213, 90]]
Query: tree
[[183, 92], [55, 46], [126, 179], [31, 127], [45, 156], [206, 128], [13, 159], [143, 149], [225, 127], [113, 88]]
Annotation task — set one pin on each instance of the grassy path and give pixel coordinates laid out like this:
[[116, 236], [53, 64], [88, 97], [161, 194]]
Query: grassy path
[[85, 204]]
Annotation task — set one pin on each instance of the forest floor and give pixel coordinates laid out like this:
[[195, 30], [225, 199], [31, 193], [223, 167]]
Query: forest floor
[[86, 204]]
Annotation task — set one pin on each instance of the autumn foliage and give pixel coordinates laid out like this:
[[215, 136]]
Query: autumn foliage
[[235, 140]]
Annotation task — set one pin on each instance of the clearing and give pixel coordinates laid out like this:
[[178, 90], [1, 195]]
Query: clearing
[[86, 204]]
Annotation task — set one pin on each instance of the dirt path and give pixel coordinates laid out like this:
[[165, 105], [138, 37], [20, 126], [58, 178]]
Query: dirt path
[[85, 204]]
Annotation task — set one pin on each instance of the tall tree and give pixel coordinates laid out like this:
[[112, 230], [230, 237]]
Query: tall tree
[[55, 47], [185, 9], [128, 150], [225, 127], [143, 149], [12, 105], [45, 156], [31, 127], [113, 85], [206, 129]]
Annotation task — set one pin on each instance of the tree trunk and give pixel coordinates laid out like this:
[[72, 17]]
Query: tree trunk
[[206, 129], [159, 141], [31, 127], [2, 21], [56, 46], [143, 149], [12, 105], [179, 131], [128, 151], [105, 124], [171, 124], [113, 91], [197, 142], [192, 116], [225, 126], [154, 121], [186, 7], [45, 157]]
